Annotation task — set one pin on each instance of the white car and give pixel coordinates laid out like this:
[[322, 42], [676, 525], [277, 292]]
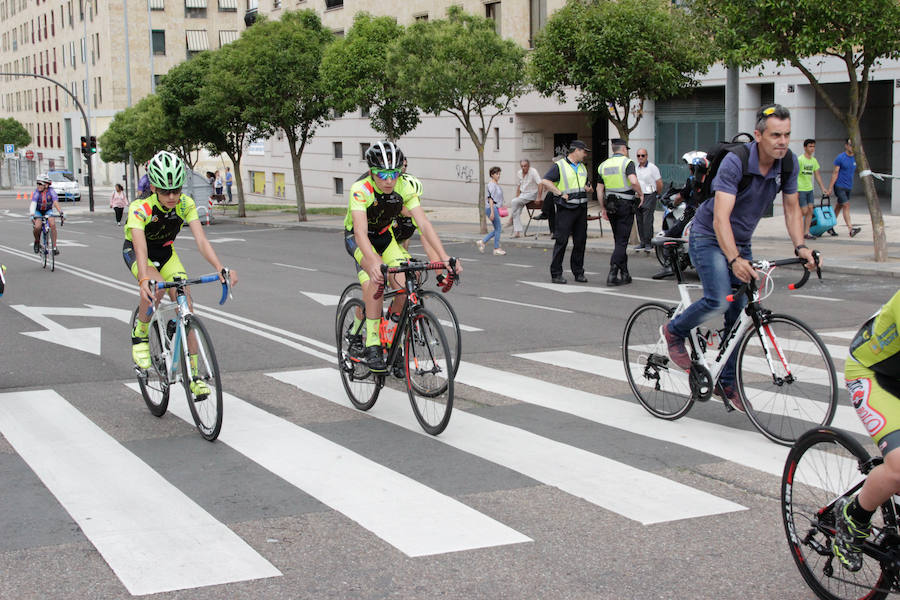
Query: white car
[[65, 185]]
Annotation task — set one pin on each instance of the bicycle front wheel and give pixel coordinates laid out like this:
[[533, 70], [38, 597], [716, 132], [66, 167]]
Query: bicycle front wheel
[[786, 379], [202, 383], [154, 382], [822, 466], [52, 260], [362, 386], [45, 247], [659, 385], [446, 316], [429, 371]]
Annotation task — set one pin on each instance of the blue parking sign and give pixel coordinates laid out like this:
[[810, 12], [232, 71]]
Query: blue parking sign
[[9, 149]]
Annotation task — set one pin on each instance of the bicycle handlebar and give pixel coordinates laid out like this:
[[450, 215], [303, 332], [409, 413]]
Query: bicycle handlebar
[[767, 265], [414, 266], [164, 285]]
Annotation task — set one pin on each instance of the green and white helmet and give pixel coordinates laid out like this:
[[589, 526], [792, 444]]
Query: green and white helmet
[[165, 170]]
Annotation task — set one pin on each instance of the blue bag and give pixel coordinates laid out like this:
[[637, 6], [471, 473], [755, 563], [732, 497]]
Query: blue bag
[[823, 218]]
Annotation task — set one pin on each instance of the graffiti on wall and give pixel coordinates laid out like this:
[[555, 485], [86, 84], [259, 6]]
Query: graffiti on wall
[[465, 172]]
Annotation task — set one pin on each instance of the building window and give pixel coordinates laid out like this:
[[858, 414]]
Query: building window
[[492, 11], [458, 139], [195, 9], [496, 138], [226, 36], [329, 4], [364, 112], [258, 182], [538, 18], [338, 149], [157, 4], [156, 80], [276, 4], [363, 148], [339, 186], [228, 6], [420, 17], [159, 41], [197, 41]]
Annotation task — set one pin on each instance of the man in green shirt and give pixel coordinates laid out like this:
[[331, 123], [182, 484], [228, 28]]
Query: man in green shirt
[[809, 166]]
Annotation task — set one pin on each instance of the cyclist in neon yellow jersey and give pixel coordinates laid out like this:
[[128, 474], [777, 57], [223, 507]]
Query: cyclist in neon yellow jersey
[[376, 199], [872, 371], [150, 231]]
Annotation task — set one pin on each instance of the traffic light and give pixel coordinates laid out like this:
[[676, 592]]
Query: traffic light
[[93, 147], [84, 146]]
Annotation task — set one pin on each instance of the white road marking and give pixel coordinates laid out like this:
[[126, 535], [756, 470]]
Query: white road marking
[[294, 267], [410, 516], [633, 493], [86, 339], [154, 537], [582, 289], [848, 334], [823, 298], [323, 299], [539, 306], [518, 265]]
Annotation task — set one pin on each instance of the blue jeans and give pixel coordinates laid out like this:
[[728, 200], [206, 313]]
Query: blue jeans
[[717, 280], [497, 226]]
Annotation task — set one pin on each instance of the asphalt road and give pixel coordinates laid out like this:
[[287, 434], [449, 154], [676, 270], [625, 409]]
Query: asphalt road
[[550, 481]]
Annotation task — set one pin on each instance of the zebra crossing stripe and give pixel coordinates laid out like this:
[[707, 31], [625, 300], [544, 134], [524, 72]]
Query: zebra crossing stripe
[[746, 448], [844, 417], [151, 534], [633, 493], [410, 516]]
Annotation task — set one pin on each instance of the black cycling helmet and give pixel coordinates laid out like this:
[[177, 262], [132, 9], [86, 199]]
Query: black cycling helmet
[[384, 155]]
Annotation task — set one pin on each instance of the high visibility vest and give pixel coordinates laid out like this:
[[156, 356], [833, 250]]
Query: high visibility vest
[[572, 180], [612, 170]]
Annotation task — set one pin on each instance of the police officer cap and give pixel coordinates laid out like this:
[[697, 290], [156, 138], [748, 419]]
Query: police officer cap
[[579, 145], [619, 142]]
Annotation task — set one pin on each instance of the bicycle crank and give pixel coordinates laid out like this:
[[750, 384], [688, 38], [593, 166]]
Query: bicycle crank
[[700, 381]]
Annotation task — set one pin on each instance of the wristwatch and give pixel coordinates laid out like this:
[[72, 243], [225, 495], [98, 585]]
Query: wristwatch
[[797, 249]]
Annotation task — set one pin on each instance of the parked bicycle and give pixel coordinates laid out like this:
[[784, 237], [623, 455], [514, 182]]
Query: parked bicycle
[[430, 299], [45, 247], [823, 466], [417, 352], [784, 373], [181, 351]]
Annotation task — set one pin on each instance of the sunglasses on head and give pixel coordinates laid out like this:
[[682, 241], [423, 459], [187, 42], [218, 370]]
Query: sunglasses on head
[[386, 173]]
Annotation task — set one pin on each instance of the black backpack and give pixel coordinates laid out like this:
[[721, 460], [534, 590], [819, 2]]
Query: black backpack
[[717, 154]]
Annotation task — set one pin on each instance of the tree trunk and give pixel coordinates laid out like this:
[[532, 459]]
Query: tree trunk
[[298, 182], [878, 236], [482, 220], [239, 181]]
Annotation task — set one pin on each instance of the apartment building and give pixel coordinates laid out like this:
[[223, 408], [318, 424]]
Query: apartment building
[[81, 44]]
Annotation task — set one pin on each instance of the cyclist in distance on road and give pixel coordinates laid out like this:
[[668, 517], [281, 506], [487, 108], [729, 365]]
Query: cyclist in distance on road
[[376, 199], [150, 231], [872, 373], [43, 202]]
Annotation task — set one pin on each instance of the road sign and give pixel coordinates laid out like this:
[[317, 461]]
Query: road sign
[[9, 150], [29, 154]]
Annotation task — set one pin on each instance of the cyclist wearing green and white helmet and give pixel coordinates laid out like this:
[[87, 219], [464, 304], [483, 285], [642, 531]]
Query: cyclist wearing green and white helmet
[[150, 231]]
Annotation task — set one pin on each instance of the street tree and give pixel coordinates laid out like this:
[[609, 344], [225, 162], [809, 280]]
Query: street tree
[[13, 132], [459, 65], [353, 70], [807, 34], [140, 130], [617, 55], [281, 69]]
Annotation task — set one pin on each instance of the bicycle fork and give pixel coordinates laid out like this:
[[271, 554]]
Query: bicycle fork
[[770, 346]]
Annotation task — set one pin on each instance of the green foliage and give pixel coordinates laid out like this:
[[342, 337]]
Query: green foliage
[[13, 132], [618, 53], [141, 130], [353, 70], [178, 91]]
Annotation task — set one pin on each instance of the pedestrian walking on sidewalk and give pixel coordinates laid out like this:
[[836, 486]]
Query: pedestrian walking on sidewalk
[[118, 203], [842, 184], [651, 182], [809, 167], [492, 205]]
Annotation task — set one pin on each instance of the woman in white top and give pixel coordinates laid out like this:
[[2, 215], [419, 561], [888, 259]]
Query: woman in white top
[[492, 205], [526, 191]]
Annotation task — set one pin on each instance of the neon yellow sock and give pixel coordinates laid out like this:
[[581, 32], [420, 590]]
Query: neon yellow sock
[[194, 369], [141, 329], [356, 324], [373, 338]]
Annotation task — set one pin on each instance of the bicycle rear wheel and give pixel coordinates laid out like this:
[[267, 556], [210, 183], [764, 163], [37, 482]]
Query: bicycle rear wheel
[[362, 386], [659, 385], [802, 393], [429, 371], [154, 382], [823, 465], [446, 316], [354, 290], [196, 370]]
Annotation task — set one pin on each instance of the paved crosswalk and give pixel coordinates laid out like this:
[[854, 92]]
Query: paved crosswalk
[[114, 496]]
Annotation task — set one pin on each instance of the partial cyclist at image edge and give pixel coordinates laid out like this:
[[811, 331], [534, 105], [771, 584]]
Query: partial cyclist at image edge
[[872, 374], [43, 202], [150, 231], [722, 229], [375, 201]]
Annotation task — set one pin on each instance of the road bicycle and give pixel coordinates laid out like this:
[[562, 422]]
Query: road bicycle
[[181, 351], [430, 299], [784, 372], [417, 351], [823, 466], [45, 248]]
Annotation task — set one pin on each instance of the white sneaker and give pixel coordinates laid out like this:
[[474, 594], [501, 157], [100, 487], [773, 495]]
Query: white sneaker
[[480, 245], [499, 251]]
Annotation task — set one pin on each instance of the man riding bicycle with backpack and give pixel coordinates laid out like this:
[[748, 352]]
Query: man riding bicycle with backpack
[[153, 224], [376, 199], [744, 181]]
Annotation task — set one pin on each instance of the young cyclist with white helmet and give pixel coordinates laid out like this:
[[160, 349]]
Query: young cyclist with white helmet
[[43, 202], [150, 231]]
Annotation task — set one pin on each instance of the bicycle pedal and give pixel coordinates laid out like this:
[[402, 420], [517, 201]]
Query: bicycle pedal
[[200, 398]]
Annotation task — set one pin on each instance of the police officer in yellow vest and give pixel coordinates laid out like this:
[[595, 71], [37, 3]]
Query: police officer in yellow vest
[[620, 194], [568, 181]]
